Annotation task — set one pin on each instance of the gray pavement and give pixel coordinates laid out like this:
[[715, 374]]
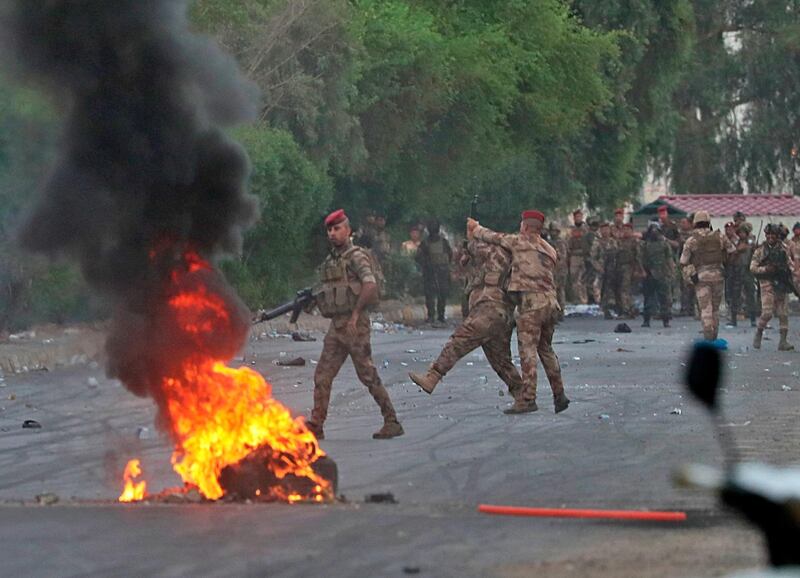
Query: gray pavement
[[459, 451]]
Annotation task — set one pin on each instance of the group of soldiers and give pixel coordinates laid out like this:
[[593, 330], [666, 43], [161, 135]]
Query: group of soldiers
[[513, 283], [519, 280]]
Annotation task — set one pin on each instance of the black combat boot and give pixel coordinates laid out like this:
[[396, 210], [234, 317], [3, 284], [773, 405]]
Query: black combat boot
[[560, 402], [665, 321], [646, 322], [316, 429]]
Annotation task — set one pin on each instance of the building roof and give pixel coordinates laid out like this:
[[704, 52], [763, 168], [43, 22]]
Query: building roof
[[726, 205]]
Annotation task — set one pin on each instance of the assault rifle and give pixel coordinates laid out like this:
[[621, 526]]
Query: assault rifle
[[302, 299], [781, 277]]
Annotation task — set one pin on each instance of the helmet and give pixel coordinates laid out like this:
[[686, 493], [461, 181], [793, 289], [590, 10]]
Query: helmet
[[772, 229], [701, 217]]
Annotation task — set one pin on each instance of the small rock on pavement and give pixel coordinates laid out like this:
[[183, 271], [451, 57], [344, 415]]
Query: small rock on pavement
[[604, 416], [411, 569], [47, 499], [786, 388], [144, 433], [622, 328], [92, 382], [380, 498], [296, 362], [676, 411], [302, 336], [31, 424]]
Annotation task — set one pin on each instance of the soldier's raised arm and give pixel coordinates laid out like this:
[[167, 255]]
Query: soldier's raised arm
[[505, 240]]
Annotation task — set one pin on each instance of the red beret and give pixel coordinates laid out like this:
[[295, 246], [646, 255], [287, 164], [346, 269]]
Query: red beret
[[619, 211], [533, 215], [335, 218], [663, 209]]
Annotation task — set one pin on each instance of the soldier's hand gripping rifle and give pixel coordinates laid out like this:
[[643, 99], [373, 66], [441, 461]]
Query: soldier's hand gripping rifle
[[780, 276], [303, 299]]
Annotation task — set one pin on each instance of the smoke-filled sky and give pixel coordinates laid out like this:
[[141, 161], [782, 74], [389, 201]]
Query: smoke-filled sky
[[145, 170]]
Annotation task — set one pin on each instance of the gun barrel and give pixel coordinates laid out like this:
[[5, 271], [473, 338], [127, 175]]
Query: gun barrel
[[277, 311]]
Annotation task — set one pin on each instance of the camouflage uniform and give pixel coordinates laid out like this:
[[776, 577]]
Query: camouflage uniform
[[593, 282], [688, 299], [342, 274], [561, 273], [702, 260], [794, 255], [604, 262], [774, 297], [434, 256], [672, 235], [490, 322], [576, 252], [627, 270], [659, 271], [533, 288]]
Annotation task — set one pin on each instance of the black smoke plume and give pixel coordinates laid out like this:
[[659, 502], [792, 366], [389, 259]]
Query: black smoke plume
[[145, 171]]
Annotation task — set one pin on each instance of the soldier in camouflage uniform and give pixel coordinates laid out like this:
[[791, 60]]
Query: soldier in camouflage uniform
[[576, 258], [687, 289], [703, 257], [561, 273], [348, 289], [659, 271], [533, 262], [774, 270], [593, 283], [489, 324], [434, 256], [744, 254], [794, 251], [628, 270], [604, 262], [618, 224], [670, 232]]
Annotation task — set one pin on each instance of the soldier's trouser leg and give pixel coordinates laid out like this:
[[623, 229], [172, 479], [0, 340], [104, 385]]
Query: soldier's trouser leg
[[736, 295], [707, 294], [334, 352], [552, 368], [468, 336], [576, 280], [360, 351], [782, 309], [767, 303], [597, 288], [649, 291], [625, 302], [498, 354], [429, 285], [535, 335], [749, 291], [443, 288], [663, 290]]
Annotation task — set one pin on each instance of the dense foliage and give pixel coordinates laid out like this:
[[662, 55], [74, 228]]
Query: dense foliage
[[411, 107]]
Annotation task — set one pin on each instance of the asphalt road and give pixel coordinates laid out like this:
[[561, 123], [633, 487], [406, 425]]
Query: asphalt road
[[615, 447]]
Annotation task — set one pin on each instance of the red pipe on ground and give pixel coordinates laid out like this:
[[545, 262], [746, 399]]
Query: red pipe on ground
[[580, 513]]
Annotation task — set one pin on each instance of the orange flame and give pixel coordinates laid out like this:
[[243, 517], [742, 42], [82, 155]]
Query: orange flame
[[220, 415], [133, 492]]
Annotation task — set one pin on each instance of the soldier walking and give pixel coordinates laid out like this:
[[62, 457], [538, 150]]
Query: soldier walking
[[659, 269], [488, 325], [744, 254], [349, 288], [774, 270], [576, 258], [533, 289], [703, 256], [592, 282], [434, 256], [627, 271], [604, 262]]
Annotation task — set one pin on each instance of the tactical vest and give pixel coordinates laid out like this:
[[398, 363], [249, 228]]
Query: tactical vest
[[338, 295], [438, 254], [653, 255], [709, 250]]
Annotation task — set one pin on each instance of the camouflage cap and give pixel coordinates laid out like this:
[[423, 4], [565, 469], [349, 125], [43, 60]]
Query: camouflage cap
[[745, 228], [701, 217]]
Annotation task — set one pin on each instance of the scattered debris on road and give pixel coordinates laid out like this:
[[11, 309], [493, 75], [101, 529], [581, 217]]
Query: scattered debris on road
[[380, 498], [31, 424], [47, 499], [622, 328], [302, 336], [296, 362], [676, 411]]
